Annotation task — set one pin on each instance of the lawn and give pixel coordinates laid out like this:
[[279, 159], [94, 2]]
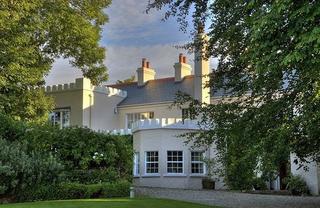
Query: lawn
[[108, 203]]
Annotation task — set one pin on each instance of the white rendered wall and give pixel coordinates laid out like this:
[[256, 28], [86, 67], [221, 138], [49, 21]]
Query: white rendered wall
[[70, 99], [91, 106], [163, 140], [312, 176]]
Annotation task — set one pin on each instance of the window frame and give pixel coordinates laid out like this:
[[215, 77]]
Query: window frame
[[198, 162], [176, 162], [136, 116], [61, 111], [151, 162]]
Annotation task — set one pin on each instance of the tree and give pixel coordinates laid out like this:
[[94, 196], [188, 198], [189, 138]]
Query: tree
[[269, 56], [129, 80], [33, 34]]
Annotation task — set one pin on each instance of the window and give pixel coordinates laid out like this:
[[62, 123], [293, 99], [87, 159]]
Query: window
[[133, 117], [136, 164], [197, 164], [60, 117], [152, 162], [188, 114], [175, 162]]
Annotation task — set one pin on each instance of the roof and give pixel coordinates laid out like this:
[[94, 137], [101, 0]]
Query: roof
[[155, 91], [159, 90]]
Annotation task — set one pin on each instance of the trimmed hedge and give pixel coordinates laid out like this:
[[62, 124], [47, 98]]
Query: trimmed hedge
[[105, 175], [77, 191]]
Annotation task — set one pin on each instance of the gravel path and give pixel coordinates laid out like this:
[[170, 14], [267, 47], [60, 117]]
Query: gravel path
[[230, 199]]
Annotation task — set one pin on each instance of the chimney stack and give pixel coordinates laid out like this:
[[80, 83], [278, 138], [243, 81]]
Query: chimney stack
[[201, 69], [145, 73], [181, 69]]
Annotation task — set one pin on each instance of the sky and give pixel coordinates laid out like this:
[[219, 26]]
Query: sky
[[129, 36]]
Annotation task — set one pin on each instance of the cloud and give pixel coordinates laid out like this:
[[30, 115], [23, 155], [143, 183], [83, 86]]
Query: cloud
[[130, 35], [62, 72], [128, 17], [131, 13], [124, 61], [130, 25]]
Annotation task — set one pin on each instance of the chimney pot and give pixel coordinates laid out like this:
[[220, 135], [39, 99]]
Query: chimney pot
[[144, 60], [181, 69], [184, 59], [180, 58], [145, 73]]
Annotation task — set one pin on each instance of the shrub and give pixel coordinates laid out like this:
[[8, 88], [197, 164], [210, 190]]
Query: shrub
[[33, 155], [92, 176], [76, 191], [20, 170], [259, 184], [84, 152], [296, 185], [118, 189]]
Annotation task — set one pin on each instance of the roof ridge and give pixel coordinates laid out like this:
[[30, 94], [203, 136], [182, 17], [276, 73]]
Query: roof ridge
[[153, 80]]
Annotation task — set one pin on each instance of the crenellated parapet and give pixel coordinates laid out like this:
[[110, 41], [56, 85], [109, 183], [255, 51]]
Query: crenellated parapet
[[167, 123], [85, 84]]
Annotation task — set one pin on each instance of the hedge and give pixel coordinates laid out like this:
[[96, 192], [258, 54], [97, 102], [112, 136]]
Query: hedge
[[77, 191]]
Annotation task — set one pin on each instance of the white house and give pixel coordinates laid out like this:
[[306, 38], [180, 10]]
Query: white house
[[145, 108]]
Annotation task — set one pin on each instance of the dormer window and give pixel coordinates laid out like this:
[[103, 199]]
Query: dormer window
[[60, 117], [133, 117]]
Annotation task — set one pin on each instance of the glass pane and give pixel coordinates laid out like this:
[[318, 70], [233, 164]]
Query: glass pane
[[66, 119], [57, 118]]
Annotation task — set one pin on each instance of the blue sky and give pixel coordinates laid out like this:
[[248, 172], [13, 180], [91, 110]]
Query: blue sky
[[131, 35]]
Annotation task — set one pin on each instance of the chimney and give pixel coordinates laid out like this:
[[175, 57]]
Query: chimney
[[181, 69], [145, 73], [201, 69]]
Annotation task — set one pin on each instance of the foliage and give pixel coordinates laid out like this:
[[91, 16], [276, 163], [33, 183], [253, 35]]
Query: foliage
[[296, 185], [129, 80], [88, 156], [259, 184], [33, 155], [11, 130], [268, 54], [93, 176], [21, 170], [34, 34], [83, 149], [76, 191]]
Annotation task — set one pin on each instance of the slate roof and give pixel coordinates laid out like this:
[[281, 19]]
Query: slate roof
[[155, 91], [159, 90]]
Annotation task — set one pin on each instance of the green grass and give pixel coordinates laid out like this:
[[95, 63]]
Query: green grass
[[107, 203]]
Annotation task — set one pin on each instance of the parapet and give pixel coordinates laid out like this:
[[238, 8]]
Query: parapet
[[165, 123], [117, 132], [85, 84]]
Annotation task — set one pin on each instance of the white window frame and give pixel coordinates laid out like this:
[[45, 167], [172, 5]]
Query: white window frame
[[177, 162], [198, 162], [61, 111], [149, 162], [136, 164], [137, 117]]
